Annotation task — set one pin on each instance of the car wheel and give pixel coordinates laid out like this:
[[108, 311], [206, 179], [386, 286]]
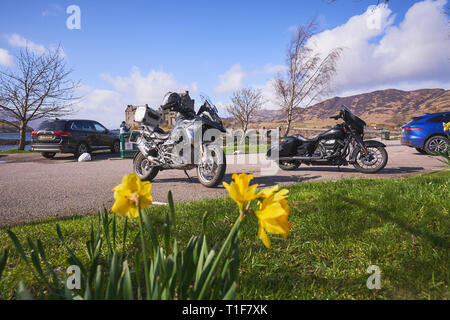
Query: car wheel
[[48, 155], [436, 145], [420, 150], [116, 147], [82, 148]]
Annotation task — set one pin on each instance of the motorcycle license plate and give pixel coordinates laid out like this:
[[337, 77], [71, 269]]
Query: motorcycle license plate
[[45, 137]]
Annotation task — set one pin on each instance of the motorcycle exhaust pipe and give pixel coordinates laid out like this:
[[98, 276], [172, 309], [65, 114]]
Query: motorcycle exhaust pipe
[[153, 160], [145, 151], [300, 158]]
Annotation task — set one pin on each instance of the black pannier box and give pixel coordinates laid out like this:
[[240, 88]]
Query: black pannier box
[[288, 146]]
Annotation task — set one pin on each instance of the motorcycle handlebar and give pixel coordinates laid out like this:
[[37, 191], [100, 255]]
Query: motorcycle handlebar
[[168, 106]]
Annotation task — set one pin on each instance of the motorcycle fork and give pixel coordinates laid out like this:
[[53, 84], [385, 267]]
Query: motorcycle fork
[[202, 153], [361, 144]]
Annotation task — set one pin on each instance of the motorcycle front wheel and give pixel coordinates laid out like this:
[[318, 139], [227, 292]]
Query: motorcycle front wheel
[[143, 169], [210, 172], [375, 160]]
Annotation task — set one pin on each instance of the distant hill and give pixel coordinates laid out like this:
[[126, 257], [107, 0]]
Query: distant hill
[[6, 127], [389, 107]]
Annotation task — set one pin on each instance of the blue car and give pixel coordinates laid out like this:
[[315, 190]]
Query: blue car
[[426, 133]]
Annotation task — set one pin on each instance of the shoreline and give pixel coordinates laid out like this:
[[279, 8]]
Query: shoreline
[[12, 142]]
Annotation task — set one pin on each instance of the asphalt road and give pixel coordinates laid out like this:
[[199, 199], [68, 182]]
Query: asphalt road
[[33, 188]]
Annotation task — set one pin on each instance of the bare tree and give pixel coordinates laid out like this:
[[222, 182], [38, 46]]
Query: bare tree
[[39, 87], [307, 76], [244, 104]]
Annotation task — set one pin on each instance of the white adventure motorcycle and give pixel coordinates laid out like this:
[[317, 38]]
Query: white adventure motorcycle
[[194, 142]]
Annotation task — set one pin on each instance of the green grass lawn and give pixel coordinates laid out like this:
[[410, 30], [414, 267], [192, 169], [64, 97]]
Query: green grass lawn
[[13, 151], [262, 148], [339, 229]]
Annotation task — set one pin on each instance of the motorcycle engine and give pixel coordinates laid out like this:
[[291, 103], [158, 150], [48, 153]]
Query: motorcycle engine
[[331, 146]]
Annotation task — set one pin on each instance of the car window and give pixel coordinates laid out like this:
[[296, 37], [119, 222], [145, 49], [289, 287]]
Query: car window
[[99, 127], [87, 126], [52, 125], [417, 118], [439, 118], [76, 125], [447, 117]]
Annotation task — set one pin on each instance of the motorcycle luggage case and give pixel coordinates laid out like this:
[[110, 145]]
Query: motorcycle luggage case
[[288, 146], [147, 116]]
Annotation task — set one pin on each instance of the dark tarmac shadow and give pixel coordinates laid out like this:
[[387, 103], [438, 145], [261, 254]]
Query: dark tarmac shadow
[[95, 156], [261, 181], [387, 170]]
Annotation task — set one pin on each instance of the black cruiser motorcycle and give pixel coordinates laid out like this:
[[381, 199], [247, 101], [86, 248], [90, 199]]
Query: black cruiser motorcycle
[[184, 148], [332, 147]]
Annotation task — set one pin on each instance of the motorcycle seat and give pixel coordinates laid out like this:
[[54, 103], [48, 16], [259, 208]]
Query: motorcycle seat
[[161, 134], [304, 139]]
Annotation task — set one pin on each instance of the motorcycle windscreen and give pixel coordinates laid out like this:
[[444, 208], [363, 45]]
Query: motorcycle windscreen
[[356, 123]]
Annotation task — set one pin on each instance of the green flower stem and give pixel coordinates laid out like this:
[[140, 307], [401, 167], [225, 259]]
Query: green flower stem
[[124, 235], [219, 256], [144, 249]]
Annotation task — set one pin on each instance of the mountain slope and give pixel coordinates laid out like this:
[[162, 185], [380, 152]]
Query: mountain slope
[[389, 107], [6, 127]]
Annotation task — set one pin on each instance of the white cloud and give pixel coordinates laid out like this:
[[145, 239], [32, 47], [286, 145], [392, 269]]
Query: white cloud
[[105, 106], [221, 108], [229, 81], [108, 106], [270, 69], [407, 56], [53, 10], [5, 58], [147, 89], [269, 95], [16, 40]]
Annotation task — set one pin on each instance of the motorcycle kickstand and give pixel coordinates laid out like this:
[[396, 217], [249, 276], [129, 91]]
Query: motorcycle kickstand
[[188, 176]]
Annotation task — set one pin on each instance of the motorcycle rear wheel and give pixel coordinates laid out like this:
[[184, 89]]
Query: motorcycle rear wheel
[[143, 169], [288, 165]]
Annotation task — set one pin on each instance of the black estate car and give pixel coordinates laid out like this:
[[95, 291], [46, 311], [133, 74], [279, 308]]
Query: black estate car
[[72, 136]]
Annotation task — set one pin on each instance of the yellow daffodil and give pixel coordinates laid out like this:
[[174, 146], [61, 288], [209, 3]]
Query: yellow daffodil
[[446, 126], [131, 193], [240, 190], [267, 192], [273, 216]]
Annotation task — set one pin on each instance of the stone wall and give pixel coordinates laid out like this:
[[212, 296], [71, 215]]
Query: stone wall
[[129, 117]]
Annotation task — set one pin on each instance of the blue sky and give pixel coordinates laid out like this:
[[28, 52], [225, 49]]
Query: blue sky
[[207, 47]]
